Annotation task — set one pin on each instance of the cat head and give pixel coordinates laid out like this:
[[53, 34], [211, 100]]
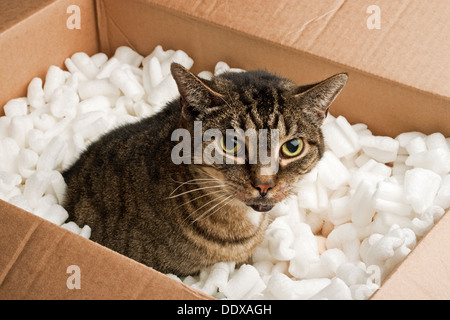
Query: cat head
[[260, 133]]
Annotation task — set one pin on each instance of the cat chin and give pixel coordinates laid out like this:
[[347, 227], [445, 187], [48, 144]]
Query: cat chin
[[261, 207], [249, 203]]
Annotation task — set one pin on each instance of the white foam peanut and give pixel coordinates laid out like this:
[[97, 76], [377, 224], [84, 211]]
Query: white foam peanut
[[361, 205], [72, 227], [94, 103], [92, 124], [352, 273], [361, 129], [390, 197], [127, 84], [315, 221], [207, 75], [54, 79], [146, 76], [99, 59], [218, 277], [19, 128], [4, 127], [56, 214], [405, 137], [221, 67], [282, 287], [362, 159], [437, 160], [16, 107], [58, 185], [86, 232], [97, 87], [305, 289], [336, 290], [436, 141], [443, 196], [159, 53], [21, 202], [8, 181], [341, 137], [52, 155], [384, 220], [416, 145], [73, 69], [331, 172], [27, 161], [63, 102], [333, 258], [341, 234], [60, 128], [392, 207], [339, 212], [371, 172], [382, 149], [126, 55], [142, 109], [9, 150], [35, 93], [306, 250], [155, 72], [243, 281], [377, 168], [165, 92], [422, 225], [280, 238], [85, 64], [312, 195], [421, 187], [36, 140], [349, 131], [179, 57], [35, 187], [107, 68], [390, 191]]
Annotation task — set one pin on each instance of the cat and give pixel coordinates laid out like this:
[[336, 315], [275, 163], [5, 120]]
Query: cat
[[179, 217]]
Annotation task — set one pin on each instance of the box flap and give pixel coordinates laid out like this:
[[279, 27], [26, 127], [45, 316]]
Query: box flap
[[11, 13], [38, 257], [35, 35], [409, 47]]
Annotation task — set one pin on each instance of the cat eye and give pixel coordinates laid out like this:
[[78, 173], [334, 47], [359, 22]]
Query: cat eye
[[230, 144], [292, 148]]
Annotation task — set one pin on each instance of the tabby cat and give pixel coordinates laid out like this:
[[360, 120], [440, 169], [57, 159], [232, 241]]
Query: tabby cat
[[181, 216]]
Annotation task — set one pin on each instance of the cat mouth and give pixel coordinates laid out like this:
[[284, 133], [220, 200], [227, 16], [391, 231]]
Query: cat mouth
[[261, 207]]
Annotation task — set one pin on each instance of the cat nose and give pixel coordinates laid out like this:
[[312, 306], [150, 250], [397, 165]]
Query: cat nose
[[264, 188]]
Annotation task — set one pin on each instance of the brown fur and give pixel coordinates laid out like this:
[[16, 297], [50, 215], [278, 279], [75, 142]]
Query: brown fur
[[180, 218]]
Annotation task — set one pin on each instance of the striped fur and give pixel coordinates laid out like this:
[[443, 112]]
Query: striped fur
[[181, 218]]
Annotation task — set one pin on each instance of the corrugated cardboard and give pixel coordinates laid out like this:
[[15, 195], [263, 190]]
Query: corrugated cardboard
[[34, 35], [398, 82], [37, 258]]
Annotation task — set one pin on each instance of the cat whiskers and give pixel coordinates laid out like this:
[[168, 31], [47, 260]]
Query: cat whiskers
[[199, 208], [199, 197], [227, 199], [223, 199], [193, 181]]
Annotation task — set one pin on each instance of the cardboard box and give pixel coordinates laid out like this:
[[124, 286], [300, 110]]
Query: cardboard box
[[398, 83]]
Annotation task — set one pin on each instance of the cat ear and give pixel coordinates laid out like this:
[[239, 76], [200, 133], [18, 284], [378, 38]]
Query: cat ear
[[319, 96], [196, 95]]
